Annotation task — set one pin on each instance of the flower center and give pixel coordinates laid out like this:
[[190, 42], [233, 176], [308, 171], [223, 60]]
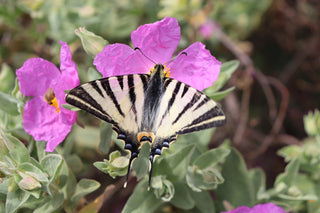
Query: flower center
[[166, 71], [51, 99]]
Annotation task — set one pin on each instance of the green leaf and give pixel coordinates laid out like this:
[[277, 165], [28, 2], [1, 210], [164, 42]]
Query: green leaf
[[9, 104], [50, 164], [115, 166], [182, 197], [141, 163], [175, 165], [105, 137], [203, 202], [4, 186], [51, 204], [3, 148], [35, 172], [141, 200], [290, 173], [17, 150], [66, 180], [84, 187], [163, 189], [217, 96], [204, 179], [86, 139], [6, 78], [290, 152], [41, 147], [201, 139], [74, 162], [258, 180], [70, 107], [237, 188], [227, 68], [211, 157], [15, 199]]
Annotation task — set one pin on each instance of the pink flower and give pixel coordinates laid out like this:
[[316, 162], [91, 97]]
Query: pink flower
[[158, 41], [260, 208], [207, 29], [44, 118]]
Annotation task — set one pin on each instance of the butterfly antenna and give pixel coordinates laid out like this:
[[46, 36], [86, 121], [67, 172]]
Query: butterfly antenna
[[137, 48], [183, 53]]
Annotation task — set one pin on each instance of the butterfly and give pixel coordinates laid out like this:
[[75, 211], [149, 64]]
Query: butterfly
[[147, 108]]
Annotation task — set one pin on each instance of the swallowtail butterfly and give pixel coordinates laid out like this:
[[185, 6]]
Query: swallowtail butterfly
[[147, 108]]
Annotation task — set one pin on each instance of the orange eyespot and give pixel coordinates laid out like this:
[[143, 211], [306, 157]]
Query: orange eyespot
[[145, 137]]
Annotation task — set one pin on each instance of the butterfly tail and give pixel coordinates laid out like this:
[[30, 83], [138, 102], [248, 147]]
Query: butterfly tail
[[151, 158], [133, 156]]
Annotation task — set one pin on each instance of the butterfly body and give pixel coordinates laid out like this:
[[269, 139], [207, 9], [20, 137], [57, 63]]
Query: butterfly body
[[147, 108]]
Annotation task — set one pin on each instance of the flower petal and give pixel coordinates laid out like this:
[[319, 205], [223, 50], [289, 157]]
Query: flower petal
[[158, 40], [68, 67], [68, 79], [120, 59], [198, 68], [267, 208], [42, 122], [260, 208], [36, 75], [241, 209]]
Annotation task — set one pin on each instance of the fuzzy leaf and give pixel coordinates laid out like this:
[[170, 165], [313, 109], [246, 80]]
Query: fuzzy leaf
[[51, 205], [50, 164], [16, 199], [182, 197], [175, 165], [84, 187], [236, 177], [16, 148], [141, 200], [9, 104], [211, 158], [30, 169], [105, 137]]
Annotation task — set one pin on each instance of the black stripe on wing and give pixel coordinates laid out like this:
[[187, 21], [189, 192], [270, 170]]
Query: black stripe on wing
[[188, 106], [106, 85], [213, 118], [79, 97]]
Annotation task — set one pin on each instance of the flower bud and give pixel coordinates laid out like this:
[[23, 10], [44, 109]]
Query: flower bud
[[312, 123], [29, 183], [91, 43]]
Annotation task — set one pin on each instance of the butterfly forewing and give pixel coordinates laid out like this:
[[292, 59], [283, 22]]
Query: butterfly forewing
[[117, 100]]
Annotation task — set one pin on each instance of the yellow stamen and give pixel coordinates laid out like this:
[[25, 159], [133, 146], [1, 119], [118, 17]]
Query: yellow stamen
[[51, 99], [166, 71]]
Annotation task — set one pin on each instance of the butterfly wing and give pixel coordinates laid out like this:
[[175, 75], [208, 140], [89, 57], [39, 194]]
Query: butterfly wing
[[117, 100], [184, 110]]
